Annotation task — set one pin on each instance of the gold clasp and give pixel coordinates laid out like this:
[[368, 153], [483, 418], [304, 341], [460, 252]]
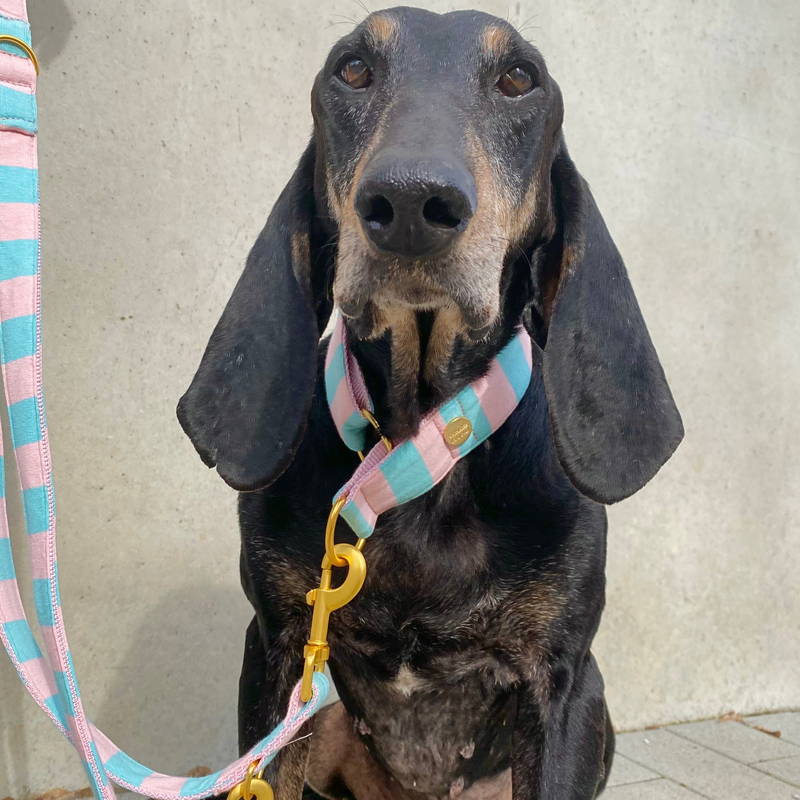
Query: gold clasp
[[324, 599], [252, 787], [5, 37]]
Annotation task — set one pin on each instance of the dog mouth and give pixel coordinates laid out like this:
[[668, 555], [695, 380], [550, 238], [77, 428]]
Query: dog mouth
[[415, 295]]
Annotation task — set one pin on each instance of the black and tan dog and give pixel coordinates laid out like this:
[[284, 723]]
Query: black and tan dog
[[438, 207]]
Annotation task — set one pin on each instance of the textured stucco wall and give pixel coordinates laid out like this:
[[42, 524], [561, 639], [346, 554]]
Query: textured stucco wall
[[167, 133]]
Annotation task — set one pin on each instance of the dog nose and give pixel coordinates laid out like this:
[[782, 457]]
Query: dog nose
[[415, 207]]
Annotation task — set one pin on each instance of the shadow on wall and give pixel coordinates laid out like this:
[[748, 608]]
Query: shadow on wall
[[172, 705], [51, 24]]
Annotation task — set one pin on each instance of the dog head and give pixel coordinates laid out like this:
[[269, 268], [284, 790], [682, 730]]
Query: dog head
[[436, 182]]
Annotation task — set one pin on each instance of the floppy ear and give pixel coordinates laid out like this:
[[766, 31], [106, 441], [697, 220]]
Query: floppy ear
[[247, 407], [613, 417]]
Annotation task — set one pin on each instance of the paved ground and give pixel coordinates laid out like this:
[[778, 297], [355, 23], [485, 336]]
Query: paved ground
[[717, 760]]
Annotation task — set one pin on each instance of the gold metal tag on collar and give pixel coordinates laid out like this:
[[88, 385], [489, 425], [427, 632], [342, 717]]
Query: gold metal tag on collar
[[457, 432]]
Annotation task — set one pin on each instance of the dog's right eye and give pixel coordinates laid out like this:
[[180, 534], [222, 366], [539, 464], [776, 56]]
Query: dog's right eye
[[355, 73]]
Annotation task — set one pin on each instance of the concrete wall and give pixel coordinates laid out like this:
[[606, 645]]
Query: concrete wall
[[167, 133]]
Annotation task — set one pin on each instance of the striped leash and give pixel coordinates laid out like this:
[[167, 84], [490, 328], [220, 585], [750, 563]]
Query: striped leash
[[51, 680]]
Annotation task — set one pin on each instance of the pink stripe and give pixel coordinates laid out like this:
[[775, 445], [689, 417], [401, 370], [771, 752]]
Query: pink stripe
[[378, 492], [41, 676], [37, 554], [18, 70], [18, 297], [18, 149], [336, 340], [105, 747], [3, 513], [10, 603], [19, 379], [430, 443], [496, 395], [527, 347], [18, 221], [354, 376], [363, 505], [14, 8], [29, 465], [342, 405], [161, 783], [50, 642], [17, 87]]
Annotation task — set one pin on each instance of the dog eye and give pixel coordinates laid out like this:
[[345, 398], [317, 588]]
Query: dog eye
[[516, 82], [356, 74]]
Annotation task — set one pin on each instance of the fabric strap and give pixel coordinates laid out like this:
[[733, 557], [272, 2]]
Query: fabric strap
[[387, 479], [51, 680]]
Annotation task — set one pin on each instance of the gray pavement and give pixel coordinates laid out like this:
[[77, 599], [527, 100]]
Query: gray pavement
[[733, 759], [738, 758]]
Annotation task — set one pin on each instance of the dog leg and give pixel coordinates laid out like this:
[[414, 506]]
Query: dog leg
[[269, 673], [563, 751]]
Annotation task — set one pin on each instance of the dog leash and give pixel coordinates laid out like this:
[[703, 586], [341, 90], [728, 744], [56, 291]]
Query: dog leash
[[52, 681], [390, 475]]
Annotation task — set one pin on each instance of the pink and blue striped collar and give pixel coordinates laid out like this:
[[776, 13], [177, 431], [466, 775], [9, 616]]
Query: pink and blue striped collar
[[386, 479]]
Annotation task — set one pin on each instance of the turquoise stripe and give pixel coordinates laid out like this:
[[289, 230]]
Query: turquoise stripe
[[334, 373], [36, 507], [512, 359], [57, 709], [41, 596], [481, 428], [18, 257], [22, 642], [355, 519], [18, 109], [25, 427], [18, 28], [2, 476], [18, 338], [18, 185], [354, 431], [123, 766], [6, 561], [195, 785], [407, 473]]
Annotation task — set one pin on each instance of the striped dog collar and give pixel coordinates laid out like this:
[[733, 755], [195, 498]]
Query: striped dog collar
[[390, 477]]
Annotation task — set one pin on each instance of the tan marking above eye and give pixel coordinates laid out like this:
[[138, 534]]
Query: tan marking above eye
[[495, 41], [516, 82], [382, 29], [356, 74]]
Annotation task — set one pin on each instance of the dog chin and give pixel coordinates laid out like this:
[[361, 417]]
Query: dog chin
[[369, 317]]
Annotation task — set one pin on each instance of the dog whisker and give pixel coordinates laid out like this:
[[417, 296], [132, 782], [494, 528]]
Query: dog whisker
[[360, 3], [341, 22]]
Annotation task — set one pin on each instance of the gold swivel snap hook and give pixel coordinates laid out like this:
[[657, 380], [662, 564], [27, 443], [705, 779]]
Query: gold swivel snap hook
[[324, 599], [252, 787]]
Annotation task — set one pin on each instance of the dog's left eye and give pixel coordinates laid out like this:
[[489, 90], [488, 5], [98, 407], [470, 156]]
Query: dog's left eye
[[356, 74], [516, 82]]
